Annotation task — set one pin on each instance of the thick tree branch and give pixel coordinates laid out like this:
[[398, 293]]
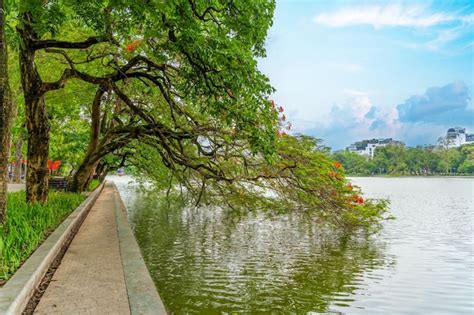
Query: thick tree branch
[[52, 43]]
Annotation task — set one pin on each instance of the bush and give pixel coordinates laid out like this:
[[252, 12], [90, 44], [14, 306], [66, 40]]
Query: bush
[[27, 225], [93, 184]]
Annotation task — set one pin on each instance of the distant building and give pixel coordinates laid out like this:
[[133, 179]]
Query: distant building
[[367, 147], [455, 137]]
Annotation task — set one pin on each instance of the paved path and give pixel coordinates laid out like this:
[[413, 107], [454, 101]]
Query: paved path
[[15, 187], [90, 279]]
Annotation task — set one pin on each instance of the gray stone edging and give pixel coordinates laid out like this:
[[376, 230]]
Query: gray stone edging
[[18, 290], [142, 294]]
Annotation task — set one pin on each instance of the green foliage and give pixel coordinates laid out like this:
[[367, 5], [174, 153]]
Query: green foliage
[[399, 160], [27, 225], [94, 184], [467, 166], [466, 162], [301, 177], [353, 163], [184, 104], [214, 43], [319, 185]]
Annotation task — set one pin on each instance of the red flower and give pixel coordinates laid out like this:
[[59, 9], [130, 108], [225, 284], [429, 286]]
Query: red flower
[[349, 186], [357, 199], [280, 109], [133, 45], [55, 165], [337, 164]]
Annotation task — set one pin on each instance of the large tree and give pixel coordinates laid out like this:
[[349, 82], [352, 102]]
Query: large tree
[[177, 89], [210, 45], [36, 19], [5, 115]]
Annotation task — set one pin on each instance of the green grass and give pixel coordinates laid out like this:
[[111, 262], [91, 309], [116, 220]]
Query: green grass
[[93, 184], [27, 226]]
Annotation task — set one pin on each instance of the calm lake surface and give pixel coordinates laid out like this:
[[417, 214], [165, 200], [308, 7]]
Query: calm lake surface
[[207, 261]]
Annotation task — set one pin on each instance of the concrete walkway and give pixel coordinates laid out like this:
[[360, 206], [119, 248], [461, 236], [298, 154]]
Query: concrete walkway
[[15, 187], [90, 279]]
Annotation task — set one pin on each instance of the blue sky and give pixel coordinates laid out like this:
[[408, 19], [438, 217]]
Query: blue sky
[[350, 70]]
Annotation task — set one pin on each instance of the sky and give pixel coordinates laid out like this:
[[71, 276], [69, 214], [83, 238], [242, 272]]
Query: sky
[[351, 70]]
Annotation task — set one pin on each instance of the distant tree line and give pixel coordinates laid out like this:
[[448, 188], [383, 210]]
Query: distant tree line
[[401, 160]]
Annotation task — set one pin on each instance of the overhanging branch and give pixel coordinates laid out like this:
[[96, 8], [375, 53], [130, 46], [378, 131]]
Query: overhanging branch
[[52, 43]]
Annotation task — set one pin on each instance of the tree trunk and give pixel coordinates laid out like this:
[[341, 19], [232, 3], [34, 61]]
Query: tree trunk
[[103, 173], [38, 131], [37, 121], [82, 177], [5, 116], [99, 170], [18, 158], [37, 173]]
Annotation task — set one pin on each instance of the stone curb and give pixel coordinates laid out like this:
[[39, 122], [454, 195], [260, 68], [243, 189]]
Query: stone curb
[[142, 294], [16, 293]]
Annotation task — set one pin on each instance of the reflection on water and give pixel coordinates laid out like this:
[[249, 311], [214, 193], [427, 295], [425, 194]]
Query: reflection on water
[[207, 261]]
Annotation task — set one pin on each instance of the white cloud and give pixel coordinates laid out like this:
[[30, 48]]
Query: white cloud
[[388, 15], [421, 119], [468, 19], [357, 119], [444, 37]]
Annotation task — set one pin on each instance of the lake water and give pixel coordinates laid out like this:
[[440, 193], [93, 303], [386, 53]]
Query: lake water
[[209, 262]]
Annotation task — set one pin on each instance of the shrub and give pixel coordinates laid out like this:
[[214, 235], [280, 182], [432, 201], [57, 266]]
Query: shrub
[[27, 225]]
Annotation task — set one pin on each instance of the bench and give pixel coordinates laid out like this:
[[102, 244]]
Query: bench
[[58, 183]]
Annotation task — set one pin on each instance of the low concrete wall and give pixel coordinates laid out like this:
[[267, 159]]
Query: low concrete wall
[[142, 294], [16, 293]]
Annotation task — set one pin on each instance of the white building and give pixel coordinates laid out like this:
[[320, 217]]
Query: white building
[[455, 137], [367, 147]]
